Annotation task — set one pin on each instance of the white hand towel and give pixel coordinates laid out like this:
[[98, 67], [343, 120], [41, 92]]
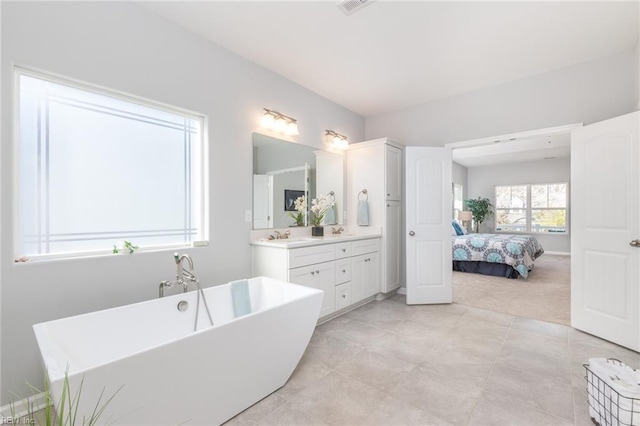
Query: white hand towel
[[363, 213], [240, 298], [330, 216], [611, 398]]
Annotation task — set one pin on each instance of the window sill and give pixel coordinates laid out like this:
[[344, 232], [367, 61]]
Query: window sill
[[44, 258], [531, 233]]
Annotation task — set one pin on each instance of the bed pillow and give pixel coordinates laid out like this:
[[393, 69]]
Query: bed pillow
[[457, 228], [453, 231], [464, 229]]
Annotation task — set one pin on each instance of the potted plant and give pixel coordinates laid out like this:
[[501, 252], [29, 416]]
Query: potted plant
[[319, 207], [300, 204], [480, 209], [127, 248], [65, 413]]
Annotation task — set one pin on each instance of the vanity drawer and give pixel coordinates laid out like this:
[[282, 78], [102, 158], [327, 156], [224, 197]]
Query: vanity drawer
[[365, 246], [343, 249], [343, 295], [310, 255], [343, 271]]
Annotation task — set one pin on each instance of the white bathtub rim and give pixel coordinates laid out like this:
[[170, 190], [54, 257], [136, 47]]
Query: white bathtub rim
[[56, 374]]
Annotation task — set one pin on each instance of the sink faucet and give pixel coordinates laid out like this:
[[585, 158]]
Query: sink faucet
[[335, 231], [279, 236]]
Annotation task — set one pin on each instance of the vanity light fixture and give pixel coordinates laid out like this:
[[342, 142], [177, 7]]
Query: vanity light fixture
[[338, 140], [278, 122]]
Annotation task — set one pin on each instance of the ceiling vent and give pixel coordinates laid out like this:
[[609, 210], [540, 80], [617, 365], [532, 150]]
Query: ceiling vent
[[351, 6]]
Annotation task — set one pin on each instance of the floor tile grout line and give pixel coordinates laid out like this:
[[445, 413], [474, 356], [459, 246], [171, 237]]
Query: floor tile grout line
[[533, 407], [493, 365]]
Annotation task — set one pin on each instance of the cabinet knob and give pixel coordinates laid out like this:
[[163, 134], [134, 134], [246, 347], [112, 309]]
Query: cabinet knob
[[344, 271], [313, 273], [317, 272], [344, 296], [344, 250], [388, 195]]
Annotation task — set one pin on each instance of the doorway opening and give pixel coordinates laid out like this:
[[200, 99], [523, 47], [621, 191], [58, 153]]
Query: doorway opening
[[520, 164]]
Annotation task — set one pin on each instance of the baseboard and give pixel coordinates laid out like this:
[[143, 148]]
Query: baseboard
[[402, 290], [21, 407], [558, 253]]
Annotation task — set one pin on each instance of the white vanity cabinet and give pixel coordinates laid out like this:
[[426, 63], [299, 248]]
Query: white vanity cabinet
[[365, 161], [393, 172], [347, 269], [321, 276]]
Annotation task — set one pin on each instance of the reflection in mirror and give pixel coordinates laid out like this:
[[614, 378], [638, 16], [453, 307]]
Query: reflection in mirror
[[283, 171]]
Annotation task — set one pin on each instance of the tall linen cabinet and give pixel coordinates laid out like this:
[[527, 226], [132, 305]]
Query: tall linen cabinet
[[377, 167]]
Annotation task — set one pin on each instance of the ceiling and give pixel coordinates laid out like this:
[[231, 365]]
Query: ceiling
[[534, 148], [395, 54]]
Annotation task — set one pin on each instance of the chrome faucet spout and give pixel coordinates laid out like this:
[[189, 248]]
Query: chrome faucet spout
[[186, 256], [184, 276]]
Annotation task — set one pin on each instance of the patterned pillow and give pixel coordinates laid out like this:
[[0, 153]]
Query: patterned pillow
[[457, 228]]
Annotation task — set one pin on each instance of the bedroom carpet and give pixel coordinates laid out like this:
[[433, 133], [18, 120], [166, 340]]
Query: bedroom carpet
[[545, 295]]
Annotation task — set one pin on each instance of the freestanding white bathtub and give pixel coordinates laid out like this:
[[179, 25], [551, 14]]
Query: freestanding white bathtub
[[171, 374]]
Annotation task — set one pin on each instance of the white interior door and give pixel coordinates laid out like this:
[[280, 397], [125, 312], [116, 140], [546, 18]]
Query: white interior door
[[605, 220], [428, 220], [262, 201]]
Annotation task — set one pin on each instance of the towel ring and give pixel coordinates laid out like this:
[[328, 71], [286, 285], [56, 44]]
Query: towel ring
[[366, 195]]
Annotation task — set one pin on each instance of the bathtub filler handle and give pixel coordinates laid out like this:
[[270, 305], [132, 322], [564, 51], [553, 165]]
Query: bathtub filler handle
[[163, 284]]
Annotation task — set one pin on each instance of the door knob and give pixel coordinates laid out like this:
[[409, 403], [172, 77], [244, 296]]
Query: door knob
[[411, 233], [634, 243]]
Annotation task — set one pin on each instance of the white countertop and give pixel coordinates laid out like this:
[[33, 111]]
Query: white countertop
[[287, 243]]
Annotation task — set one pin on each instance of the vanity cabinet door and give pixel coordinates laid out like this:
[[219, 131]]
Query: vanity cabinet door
[[393, 231], [393, 173], [358, 278], [371, 274], [365, 276], [321, 276]]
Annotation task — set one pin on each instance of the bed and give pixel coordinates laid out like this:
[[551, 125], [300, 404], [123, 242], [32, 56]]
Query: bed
[[502, 255]]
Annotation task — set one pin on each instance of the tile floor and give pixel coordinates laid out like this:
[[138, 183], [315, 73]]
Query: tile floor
[[387, 363]]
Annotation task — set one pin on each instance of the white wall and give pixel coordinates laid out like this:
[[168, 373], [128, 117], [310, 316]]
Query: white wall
[[588, 93], [459, 176], [637, 69], [482, 180], [122, 46]]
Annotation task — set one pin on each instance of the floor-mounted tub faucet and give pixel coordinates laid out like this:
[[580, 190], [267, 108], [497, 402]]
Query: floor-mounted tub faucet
[[184, 277]]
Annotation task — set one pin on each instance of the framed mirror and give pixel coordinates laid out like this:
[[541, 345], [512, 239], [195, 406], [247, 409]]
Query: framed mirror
[[283, 172]]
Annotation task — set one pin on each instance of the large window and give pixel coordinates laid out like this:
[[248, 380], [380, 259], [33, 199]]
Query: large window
[[97, 168], [532, 208]]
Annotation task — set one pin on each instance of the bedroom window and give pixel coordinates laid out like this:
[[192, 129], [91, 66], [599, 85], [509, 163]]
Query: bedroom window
[[97, 168], [539, 208]]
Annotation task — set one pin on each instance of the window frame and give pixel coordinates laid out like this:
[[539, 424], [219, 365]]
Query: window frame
[[529, 208], [200, 203]]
